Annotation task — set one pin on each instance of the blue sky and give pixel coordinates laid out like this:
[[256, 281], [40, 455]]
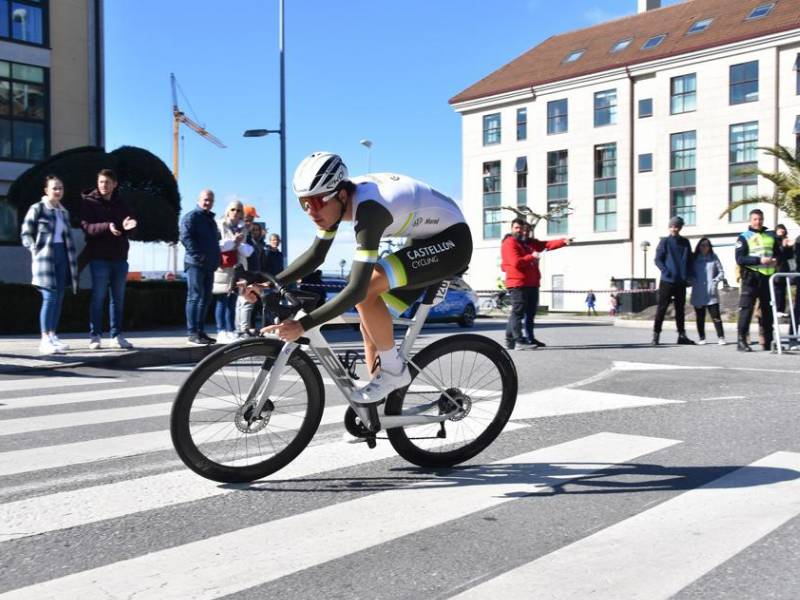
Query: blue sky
[[355, 69]]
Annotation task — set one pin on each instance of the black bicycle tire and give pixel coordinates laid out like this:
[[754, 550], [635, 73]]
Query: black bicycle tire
[[193, 458], [405, 447]]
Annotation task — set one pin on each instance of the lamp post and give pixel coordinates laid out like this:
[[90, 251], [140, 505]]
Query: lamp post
[[368, 145], [282, 133], [644, 246]]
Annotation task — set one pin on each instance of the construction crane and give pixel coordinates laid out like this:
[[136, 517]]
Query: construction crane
[[178, 117]]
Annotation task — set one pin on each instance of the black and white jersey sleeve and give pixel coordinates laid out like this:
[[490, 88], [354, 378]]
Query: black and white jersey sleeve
[[310, 260], [371, 220]]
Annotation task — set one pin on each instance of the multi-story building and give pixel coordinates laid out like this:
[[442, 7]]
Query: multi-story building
[[631, 122], [51, 89]]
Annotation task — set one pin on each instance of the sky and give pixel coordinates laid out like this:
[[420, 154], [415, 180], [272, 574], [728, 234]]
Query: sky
[[355, 69]]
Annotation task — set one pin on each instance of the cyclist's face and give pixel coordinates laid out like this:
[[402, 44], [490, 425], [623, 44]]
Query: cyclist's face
[[324, 214]]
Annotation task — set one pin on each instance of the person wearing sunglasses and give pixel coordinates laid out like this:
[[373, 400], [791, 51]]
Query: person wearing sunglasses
[[439, 246]]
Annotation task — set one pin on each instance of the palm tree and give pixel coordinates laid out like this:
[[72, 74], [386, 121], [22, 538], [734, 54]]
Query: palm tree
[[787, 184]]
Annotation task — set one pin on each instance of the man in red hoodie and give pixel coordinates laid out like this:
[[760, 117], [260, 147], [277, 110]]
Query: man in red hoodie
[[520, 262]]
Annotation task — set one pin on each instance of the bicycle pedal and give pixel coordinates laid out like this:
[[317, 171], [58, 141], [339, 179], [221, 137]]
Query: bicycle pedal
[[371, 443]]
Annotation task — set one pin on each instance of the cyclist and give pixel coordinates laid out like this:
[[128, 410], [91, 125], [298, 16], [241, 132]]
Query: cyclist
[[439, 245]]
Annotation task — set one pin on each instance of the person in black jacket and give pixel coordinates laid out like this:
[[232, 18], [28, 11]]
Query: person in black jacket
[[674, 260], [200, 237], [274, 255], [784, 254]]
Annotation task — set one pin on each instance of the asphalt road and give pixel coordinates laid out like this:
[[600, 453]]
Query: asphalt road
[[626, 472]]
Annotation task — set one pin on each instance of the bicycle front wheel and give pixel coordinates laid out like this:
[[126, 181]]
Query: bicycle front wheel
[[212, 425], [480, 382]]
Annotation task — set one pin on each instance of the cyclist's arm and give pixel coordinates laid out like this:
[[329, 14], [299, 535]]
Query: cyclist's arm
[[310, 260], [370, 222]]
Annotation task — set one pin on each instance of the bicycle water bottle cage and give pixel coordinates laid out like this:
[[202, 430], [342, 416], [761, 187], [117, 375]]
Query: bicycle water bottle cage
[[349, 362]]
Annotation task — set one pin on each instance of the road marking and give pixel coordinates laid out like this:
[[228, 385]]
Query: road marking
[[567, 401], [42, 514], [338, 530], [622, 365], [724, 398], [657, 553], [40, 383], [88, 396]]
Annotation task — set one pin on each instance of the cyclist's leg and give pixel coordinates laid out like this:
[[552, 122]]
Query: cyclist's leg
[[376, 321]]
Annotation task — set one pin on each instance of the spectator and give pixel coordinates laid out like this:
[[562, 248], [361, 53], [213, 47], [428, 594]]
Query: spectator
[[674, 260], [591, 300], [47, 234], [707, 274], [274, 255], [613, 302], [231, 229], [200, 237], [784, 254], [106, 220], [255, 263], [756, 252], [520, 262]]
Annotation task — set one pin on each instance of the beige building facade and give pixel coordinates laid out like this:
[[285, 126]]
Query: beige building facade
[[51, 86], [631, 141]]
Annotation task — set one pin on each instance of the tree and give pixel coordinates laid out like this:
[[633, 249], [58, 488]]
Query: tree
[[524, 212], [787, 184]]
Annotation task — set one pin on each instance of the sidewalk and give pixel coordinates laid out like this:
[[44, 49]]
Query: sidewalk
[[151, 348]]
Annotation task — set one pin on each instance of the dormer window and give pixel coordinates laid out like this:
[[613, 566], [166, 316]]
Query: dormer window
[[621, 45], [573, 56], [700, 26], [654, 42], [759, 12]]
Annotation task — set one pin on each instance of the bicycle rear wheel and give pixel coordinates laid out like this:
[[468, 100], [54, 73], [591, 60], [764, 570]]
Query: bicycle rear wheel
[[212, 427], [478, 376]]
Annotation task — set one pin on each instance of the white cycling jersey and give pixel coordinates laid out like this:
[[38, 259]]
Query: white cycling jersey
[[417, 210]]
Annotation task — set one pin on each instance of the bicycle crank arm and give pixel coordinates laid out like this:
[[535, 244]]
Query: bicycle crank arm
[[390, 422]]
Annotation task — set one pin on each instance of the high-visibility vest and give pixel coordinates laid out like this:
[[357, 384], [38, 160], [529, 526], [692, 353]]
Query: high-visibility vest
[[761, 244]]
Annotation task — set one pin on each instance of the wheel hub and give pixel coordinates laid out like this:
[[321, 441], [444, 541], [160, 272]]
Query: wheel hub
[[245, 422], [455, 399]]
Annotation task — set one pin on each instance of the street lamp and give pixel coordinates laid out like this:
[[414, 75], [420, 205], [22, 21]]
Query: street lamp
[[281, 131], [368, 145], [644, 246]]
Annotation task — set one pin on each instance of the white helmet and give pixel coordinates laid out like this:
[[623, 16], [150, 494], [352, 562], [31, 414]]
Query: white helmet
[[318, 173]]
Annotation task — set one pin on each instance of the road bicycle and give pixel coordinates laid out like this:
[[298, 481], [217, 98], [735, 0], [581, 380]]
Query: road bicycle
[[498, 301], [251, 407]]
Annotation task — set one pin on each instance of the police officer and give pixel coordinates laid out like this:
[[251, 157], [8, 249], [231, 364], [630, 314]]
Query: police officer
[[756, 252]]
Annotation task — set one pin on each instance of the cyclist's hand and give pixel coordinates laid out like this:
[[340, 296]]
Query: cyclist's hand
[[288, 331], [250, 293]]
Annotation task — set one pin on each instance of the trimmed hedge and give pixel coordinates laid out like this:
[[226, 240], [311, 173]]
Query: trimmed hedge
[[148, 305]]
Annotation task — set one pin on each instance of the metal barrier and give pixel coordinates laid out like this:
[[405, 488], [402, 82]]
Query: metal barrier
[[793, 336]]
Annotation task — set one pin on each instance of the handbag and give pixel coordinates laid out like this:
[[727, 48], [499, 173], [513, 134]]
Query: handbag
[[228, 259]]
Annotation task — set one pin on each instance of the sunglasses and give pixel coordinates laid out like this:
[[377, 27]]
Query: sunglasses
[[314, 203], [238, 210]]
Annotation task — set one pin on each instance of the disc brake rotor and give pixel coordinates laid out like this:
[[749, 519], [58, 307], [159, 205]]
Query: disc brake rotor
[[244, 417], [455, 399]]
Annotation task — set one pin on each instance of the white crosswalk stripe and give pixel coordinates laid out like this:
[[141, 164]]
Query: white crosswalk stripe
[[15, 385], [657, 552], [337, 530]]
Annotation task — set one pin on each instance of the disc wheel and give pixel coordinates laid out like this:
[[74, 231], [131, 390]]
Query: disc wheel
[[469, 377], [214, 429]]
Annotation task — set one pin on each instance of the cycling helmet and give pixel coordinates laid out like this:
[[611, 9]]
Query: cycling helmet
[[319, 173]]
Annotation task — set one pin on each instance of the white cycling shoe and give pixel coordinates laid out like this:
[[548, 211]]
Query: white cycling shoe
[[383, 384]]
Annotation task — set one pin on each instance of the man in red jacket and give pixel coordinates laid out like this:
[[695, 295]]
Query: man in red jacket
[[520, 261]]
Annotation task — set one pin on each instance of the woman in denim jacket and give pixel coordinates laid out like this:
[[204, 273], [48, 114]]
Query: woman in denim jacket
[[46, 232]]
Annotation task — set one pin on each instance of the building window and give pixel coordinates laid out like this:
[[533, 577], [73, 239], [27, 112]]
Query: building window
[[700, 26], [521, 169], [654, 42], [557, 173], [491, 129], [797, 74], [743, 156], [491, 200], [23, 21], [645, 217], [23, 112], [744, 82], [683, 94], [557, 118], [522, 124], [645, 163], [605, 187], [621, 45], [683, 150], [645, 108], [9, 228], [605, 108], [573, 56], [759, 12]]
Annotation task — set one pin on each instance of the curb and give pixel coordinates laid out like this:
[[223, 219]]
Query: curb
[[133, 359]]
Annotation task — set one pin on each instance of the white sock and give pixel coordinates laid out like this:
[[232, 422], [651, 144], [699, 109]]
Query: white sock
[[391, 361]]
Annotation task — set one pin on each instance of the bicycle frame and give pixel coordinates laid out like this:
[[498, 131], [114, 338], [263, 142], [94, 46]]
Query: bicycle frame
[[333, 366]]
